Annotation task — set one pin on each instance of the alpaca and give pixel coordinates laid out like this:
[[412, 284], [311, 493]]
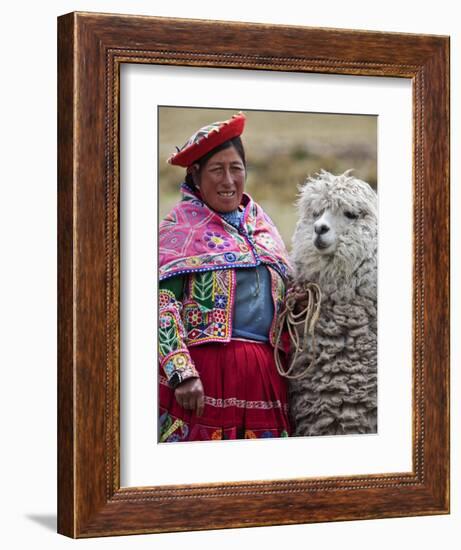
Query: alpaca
[[335, 246]]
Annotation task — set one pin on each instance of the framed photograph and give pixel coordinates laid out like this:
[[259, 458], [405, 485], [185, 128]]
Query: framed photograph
[[198, 253], [215, 180]]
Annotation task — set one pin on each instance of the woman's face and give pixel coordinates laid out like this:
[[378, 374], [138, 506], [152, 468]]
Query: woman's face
[[221, 180]]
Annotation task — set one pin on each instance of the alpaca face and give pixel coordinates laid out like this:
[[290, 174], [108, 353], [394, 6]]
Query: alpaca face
[[336, 229], [329, 226]]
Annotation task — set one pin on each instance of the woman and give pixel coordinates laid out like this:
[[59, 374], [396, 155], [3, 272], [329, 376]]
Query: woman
[[223, 270]]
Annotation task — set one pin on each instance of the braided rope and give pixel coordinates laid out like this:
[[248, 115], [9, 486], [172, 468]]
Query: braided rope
[[307, 317]]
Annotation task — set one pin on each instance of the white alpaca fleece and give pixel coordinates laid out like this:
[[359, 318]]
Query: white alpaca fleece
[[335, 246]]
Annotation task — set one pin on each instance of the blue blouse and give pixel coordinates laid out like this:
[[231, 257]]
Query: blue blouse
[[253, 308]]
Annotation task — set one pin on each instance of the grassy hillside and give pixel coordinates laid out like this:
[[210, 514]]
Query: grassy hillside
[[282, 150]]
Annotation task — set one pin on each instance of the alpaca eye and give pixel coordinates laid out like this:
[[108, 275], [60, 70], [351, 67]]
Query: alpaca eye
[[317, 214], [350, 215]]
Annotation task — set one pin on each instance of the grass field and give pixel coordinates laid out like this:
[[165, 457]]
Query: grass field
[[282, 149]]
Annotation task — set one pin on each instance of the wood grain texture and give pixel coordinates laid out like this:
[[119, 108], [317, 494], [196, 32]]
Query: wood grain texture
[[66, 425], [91, 49]]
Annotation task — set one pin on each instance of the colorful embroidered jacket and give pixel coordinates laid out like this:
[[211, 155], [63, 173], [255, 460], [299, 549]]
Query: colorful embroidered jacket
[[197, 256]]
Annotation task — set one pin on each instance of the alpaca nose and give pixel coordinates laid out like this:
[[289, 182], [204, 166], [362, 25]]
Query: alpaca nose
[[321, 229]]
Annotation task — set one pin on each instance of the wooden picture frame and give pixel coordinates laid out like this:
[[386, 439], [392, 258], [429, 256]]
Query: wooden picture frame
[[92, 48]]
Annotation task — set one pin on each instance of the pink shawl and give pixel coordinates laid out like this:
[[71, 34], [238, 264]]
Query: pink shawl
[[193, 237]]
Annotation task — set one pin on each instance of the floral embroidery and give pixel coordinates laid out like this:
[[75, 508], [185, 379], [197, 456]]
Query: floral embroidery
[[205, 315], [193, 237], [173, 354], [194, 317], [169, 337], [165, 322], [208, 293], [220, 301], [195, 241], [216, 240], [249, 434]]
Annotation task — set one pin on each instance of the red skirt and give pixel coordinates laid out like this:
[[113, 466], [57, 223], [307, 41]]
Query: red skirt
[[245, 397]]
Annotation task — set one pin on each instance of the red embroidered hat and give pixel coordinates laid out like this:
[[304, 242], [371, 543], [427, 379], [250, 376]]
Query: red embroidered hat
[[206, 139]]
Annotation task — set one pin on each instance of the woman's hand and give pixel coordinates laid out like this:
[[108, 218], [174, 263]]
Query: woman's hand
[[298, 298], [190, 395]]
